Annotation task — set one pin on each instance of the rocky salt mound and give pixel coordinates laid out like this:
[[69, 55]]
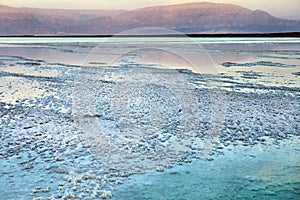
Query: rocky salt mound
[[140, 119]]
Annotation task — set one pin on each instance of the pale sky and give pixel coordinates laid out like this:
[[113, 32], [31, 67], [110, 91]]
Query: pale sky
[[279, 8]]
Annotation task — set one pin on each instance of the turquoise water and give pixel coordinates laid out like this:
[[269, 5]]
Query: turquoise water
[[261, 172]]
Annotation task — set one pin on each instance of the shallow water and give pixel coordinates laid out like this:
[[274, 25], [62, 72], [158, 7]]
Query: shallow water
[[151, 135], [261, 172]]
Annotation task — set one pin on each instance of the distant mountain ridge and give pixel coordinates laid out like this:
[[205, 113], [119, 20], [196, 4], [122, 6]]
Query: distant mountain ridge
[[186, 18]]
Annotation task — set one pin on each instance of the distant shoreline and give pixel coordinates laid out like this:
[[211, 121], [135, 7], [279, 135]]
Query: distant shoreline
[[254, 35]]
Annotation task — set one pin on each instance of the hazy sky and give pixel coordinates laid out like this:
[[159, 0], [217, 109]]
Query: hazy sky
[[275, 7]]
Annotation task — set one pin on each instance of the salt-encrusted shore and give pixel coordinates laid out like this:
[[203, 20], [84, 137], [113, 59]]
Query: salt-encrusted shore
[[46, 149]]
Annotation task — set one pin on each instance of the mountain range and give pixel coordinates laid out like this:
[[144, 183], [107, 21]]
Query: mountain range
[[186, 18]]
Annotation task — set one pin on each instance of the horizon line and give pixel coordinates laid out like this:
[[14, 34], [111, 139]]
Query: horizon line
[[273, 34]]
